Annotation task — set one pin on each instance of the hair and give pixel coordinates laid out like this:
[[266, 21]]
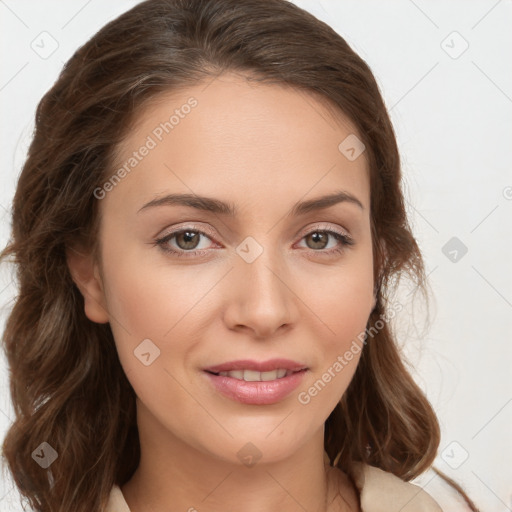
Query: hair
[[66, 382]]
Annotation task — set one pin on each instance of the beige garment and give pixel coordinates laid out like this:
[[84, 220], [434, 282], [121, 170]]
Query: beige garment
[[379, 492]]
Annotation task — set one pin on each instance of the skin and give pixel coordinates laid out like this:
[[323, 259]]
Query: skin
[[262, 147]]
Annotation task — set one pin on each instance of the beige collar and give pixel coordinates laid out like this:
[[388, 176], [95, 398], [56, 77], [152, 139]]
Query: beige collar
[[381, 491]]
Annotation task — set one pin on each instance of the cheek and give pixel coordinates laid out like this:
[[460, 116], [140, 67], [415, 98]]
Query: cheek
[[158, 303], [149, 325], [344, 302], [341, 297], [147, 299], [346, 315]]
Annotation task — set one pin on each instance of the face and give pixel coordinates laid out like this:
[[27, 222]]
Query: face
[[193, 290]]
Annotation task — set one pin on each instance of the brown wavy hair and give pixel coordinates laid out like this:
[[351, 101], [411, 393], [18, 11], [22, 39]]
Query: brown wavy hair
[[66, 382]]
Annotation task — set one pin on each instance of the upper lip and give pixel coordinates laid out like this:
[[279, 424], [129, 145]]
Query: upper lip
[[258, 366]]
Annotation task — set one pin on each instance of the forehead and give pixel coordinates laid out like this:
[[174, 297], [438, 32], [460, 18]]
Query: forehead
[[230, 134]]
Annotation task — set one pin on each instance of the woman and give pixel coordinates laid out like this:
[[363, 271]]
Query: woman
[[207, 230]]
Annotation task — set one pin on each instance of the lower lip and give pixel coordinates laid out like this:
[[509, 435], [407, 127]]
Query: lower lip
[[257, 393]]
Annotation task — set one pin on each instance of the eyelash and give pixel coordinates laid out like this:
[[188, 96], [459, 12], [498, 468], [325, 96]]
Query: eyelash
[[162, 242]]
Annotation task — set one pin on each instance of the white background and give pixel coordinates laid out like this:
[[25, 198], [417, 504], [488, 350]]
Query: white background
[[452, 114]]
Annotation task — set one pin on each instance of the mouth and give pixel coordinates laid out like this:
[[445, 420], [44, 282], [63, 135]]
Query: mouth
[[256, 383]]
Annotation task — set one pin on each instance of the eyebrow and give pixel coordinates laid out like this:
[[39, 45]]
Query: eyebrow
[[219, 207]]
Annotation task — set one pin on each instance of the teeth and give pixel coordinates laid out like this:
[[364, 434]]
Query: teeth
[[253, 376]]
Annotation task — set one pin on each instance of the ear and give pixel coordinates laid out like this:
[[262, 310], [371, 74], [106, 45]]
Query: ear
[[85, 273]]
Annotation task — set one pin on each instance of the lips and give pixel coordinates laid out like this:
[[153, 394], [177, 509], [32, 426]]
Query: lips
[[257, 383]]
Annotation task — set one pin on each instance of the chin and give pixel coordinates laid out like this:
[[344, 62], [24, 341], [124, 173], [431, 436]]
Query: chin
[[251, 446]]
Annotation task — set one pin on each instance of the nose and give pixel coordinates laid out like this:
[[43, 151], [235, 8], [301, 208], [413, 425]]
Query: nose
[[261, 299]]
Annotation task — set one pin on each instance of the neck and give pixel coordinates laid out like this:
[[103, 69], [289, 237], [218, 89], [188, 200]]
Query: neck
[[172, 475]]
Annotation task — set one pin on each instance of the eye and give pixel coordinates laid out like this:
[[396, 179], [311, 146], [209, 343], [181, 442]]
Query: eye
[[186, 239], [184, 242], [318, 239]]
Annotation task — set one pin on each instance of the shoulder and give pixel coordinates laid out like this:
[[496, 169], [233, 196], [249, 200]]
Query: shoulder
[[116, 502], [381, 491]]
